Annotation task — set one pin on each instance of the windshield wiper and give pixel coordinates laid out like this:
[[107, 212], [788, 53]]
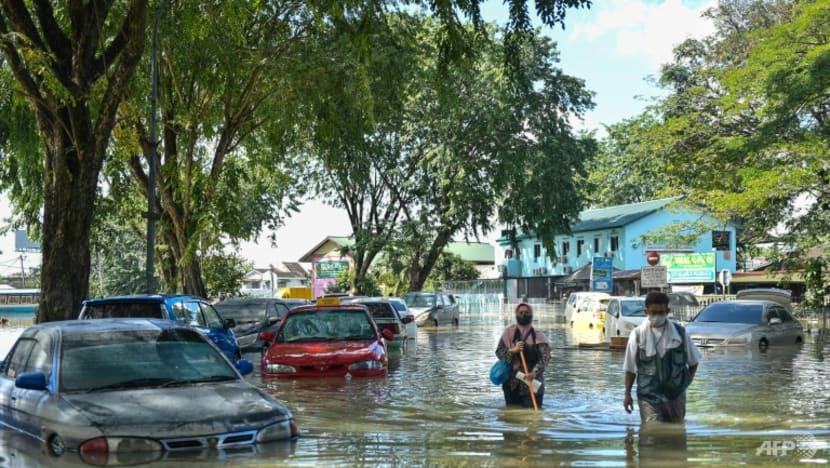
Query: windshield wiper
[[205, 379], [135, 383]]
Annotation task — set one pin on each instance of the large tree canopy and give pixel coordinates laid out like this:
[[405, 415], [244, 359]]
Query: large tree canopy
[[73, 61]]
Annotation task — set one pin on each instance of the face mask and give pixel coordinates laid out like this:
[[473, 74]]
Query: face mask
[[657, 320], [524, 319]]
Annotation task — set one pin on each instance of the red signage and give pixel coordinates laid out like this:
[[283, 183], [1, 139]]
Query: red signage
[[653, 258]]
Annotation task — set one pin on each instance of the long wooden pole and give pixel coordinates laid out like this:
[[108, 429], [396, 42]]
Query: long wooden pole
[[530, 384]]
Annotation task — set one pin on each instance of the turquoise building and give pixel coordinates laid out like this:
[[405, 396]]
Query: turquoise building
[[624, 233]]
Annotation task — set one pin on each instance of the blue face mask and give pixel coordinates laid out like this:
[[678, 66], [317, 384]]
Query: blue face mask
[[657, 320]]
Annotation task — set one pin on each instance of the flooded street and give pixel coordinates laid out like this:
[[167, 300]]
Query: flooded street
[[437, 407]]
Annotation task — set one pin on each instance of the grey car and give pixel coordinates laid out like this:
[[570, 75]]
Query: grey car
[[756, 323], [109, 387], [432, 308], [253, 315]]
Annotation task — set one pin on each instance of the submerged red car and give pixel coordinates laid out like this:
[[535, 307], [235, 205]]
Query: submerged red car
[[327, 340]]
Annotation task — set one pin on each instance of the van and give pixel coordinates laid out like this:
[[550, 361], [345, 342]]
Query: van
[[576, 299]]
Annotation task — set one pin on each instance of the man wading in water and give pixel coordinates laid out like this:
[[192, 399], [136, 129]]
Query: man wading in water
[[663, 360], [523, 338]]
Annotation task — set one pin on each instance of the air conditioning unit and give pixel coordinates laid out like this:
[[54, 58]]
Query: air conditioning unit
[[567, 269], [563, 260]]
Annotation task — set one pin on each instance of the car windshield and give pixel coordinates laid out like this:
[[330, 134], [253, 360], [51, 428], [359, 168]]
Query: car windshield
[[242, 310], [124, 310], [633, 308], [419, 300], [327, 325], [139, 358], [731, 312]]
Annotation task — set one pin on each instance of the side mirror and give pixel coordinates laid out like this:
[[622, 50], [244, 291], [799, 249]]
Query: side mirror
[[229, 323], [272, 320], [774, 321], [244, 366], [266, 337], [31, 381], [387, 334], [408, 319]]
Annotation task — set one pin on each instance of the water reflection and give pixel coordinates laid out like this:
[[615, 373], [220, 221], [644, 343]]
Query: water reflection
[[437, 407]]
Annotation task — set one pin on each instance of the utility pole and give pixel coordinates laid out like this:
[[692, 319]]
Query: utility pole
[[151, 164], [22, 273]]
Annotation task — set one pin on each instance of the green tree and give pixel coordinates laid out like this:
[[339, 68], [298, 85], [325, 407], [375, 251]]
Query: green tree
[[72, 64]]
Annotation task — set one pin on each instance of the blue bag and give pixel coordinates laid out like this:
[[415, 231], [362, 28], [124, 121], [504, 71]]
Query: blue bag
[[500, 372]]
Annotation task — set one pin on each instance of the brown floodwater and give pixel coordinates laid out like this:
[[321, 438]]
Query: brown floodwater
[[437, 407]]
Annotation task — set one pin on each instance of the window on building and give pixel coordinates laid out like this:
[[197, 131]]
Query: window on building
[[596, 245], [720, 240], [537, 250], [508, 253], [580, 246], [615, 243], [566, 247]]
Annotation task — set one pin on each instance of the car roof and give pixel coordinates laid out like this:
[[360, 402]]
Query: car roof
[[747, 302], [315, 308], [159, 298], [628, 298], [249, 300], [70, 327]]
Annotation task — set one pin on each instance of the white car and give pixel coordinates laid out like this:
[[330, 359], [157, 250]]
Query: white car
[[403, 311], [622, 315], [575, 300]]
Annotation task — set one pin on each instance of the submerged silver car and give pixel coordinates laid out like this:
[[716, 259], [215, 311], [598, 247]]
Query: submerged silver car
[[745, 323], [104, 388]]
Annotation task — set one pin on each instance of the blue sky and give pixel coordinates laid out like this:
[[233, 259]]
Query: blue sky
[[614, 47]]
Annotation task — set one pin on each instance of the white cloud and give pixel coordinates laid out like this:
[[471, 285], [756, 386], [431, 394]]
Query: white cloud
[[644, 29]]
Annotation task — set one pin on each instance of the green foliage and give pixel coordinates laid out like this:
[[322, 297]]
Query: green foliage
[[368, 285], [118, 253], [224, 273], [451, 267]]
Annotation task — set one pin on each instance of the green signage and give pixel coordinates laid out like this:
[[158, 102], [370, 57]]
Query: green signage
[[689, 267], [330, 268]]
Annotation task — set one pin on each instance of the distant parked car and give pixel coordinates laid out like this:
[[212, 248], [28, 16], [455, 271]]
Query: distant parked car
[[622, 315], [590, 313], [432, 307], [103, 389], [386, 317], [403, 311], [326, 340], [195, 311], [745, 323], [781, 296], [252, 316], [575, 300]]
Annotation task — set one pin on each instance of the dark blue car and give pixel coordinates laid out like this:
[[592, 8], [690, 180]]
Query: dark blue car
[[195, 311]]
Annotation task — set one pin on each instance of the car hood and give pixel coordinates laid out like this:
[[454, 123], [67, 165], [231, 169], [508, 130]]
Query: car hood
[[328, 352], [718, 328], [633, 320], [176, 411], [416, 311]]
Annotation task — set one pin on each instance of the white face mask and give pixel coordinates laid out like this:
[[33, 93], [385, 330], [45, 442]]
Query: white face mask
[[657, 320]]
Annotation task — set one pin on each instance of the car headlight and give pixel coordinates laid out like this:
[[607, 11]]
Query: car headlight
[[740, 339], [366, 365], [279, 369], [422, 317], [280, 431]]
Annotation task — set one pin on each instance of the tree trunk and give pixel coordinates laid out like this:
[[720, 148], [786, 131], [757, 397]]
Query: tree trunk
[[69, 199]]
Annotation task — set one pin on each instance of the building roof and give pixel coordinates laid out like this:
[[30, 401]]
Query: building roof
[[608, 217], [476, 252], [283, 270], [619, 215]]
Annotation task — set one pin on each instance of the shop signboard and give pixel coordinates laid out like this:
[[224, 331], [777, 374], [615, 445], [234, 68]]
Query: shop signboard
[[689, 267]]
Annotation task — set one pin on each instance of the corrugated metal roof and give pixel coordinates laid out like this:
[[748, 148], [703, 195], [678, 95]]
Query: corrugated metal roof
[[476, 252], [619, 215]]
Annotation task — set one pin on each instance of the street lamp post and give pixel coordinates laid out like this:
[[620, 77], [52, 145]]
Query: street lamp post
[[715, 279], [151, 164]]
